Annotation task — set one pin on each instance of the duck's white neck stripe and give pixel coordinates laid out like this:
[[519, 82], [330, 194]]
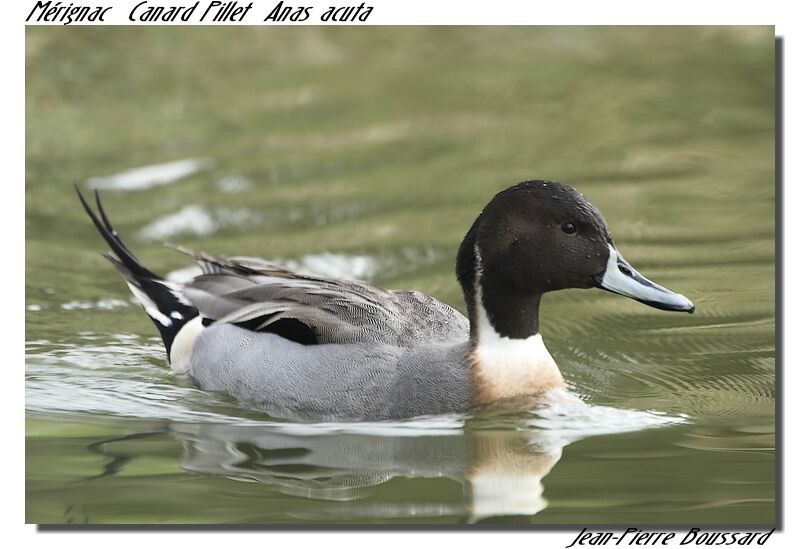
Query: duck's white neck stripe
[[516, 354], [506, 366], [487, 335]]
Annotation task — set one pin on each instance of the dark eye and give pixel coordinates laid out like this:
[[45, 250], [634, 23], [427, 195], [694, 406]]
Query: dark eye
[[568, 228]]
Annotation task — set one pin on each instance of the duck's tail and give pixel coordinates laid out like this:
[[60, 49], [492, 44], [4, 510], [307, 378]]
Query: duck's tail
[[162, 300]]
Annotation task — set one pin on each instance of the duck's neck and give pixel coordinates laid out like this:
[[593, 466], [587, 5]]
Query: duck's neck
[[508, 314], [507, 355]]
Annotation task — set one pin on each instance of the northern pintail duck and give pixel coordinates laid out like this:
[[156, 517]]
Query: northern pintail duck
[[309, 347]]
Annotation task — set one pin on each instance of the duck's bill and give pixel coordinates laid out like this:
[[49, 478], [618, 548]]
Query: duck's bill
[[620, 278]]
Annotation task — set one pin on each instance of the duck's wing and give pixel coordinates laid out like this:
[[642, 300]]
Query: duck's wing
[[261, 296]]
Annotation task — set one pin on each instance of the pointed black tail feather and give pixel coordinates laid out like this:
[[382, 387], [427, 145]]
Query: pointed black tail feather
[[162, 300]]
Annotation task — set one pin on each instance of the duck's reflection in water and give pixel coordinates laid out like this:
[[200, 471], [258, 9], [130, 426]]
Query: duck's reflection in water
[[500, 471], [489, 465]]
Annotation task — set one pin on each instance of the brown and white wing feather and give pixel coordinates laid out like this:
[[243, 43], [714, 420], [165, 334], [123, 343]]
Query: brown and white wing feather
[[257, 293]]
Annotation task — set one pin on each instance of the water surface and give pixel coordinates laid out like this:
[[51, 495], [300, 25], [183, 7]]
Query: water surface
[[367, 153]]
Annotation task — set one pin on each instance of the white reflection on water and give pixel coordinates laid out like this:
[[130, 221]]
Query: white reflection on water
[[145, 177], [233, 184], [105, 304], [339, 266]]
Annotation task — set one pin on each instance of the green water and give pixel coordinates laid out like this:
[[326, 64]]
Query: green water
[[370, 151]]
